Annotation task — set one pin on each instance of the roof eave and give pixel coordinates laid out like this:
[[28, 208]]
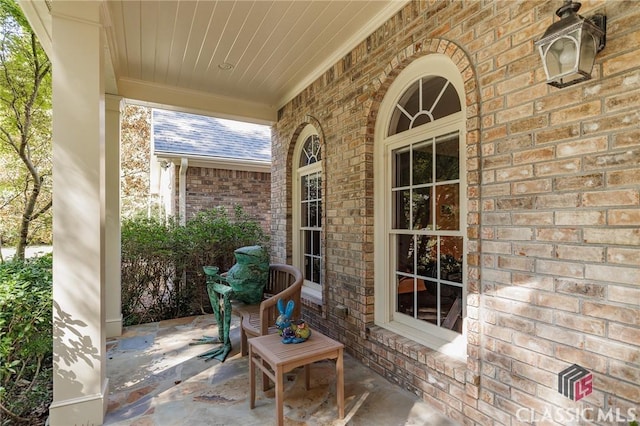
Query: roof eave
[[216, 162]]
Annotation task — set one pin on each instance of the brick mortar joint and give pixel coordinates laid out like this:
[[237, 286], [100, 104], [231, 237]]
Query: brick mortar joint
[[444, 364]]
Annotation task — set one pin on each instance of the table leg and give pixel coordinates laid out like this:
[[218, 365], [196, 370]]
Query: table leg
[[340, 384], [279, 396], [252, 380], [265, 378], [307, 376]]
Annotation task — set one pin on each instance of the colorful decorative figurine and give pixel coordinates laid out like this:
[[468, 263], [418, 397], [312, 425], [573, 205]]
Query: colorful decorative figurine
[[302, 331], [291, 332]]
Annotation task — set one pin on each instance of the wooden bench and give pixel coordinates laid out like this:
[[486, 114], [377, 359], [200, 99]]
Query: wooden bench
[[285, 281]]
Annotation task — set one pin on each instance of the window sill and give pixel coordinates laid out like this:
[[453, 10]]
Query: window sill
[[312, 295], [312, 299]]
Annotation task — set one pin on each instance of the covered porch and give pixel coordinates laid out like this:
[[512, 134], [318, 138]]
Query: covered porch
[[157, 379], [171, 55], [517, 203]]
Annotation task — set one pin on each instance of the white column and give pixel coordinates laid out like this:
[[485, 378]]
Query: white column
[[80, 386], [113, 105], [182, 189]]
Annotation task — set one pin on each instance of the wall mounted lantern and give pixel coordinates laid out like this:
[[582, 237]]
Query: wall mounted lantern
[[568, 48]]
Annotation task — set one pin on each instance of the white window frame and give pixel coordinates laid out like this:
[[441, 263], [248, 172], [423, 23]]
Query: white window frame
[[432, 336], [310, 290]]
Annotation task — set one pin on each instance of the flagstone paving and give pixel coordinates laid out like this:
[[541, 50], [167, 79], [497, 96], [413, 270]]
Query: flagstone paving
[[157, 379]]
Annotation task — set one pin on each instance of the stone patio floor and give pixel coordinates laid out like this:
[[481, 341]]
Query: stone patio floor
[[157, 379]]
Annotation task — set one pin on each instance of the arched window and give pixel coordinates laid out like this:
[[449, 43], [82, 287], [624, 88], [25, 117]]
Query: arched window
[[420, 208], [308, 251]]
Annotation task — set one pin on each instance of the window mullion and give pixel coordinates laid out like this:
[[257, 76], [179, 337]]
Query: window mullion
[[439, 96]]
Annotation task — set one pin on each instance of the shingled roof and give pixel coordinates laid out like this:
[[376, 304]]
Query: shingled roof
[[179, 134]]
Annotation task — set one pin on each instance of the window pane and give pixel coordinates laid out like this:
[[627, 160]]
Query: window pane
[[428, 303], [424, 101], [313, 187], [319, 185], [420, 119], [316, 271], [407, 107], [317, 152], [448, 104], [307, 242], [422, 200], [304, 188], [402, 168], [399, 122], [310, 151], [451, 307], [316, 243], [404, 253], [401, 209], [410, 101], [447, 158], [423, 163], [313, 213], [427, 256], [307, 268], [451, 259], [406, 296], [448, 207], [431, 88], [304, 215]]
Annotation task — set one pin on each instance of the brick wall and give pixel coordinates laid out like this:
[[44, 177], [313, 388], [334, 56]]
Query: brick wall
[[209, 188], [553, 202]]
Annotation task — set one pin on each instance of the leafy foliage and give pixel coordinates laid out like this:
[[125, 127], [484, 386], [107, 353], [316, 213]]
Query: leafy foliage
[[135, 159], [162, 274], [25, 133], [25, 340]]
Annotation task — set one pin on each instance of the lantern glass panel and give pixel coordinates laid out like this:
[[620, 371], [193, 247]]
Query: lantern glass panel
[[588, 50], [562, 56]]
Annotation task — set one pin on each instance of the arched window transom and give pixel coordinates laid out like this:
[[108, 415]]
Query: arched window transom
[[426, 100], [310, 151]]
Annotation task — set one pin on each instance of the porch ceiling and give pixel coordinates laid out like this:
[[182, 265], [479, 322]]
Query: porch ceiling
[[169, 52]]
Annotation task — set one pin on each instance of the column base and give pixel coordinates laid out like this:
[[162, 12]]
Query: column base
[[85, 411], [113, 327]]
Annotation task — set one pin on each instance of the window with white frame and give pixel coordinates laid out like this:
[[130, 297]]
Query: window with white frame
[[307, 214], [420, 207]]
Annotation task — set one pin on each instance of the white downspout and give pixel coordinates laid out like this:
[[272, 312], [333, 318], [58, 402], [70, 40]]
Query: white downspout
[[182, 196]]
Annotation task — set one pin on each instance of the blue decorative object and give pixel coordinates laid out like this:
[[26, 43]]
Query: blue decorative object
[[291, 332]]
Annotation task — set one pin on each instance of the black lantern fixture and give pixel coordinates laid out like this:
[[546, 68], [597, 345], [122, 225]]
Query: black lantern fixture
[[568, 48]]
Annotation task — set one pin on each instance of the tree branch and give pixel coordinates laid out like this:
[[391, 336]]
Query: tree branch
[[13, 416]]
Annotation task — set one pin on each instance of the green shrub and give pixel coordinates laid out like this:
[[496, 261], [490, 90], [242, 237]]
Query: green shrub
[[147, 271], [25, 340], [162, 263]]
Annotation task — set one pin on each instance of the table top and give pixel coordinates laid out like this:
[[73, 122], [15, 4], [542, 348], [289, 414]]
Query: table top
[[271, 348]]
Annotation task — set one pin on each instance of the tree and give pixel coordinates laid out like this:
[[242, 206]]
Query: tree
[[135, 152], [25, 132]]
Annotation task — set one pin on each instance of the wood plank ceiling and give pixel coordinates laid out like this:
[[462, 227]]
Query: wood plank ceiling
[[261, 52]]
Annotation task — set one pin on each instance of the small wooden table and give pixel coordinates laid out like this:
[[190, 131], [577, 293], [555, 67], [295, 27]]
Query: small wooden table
[[275, 358]]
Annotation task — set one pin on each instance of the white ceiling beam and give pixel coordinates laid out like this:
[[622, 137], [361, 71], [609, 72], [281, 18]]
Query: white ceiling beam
[[172, 98]]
